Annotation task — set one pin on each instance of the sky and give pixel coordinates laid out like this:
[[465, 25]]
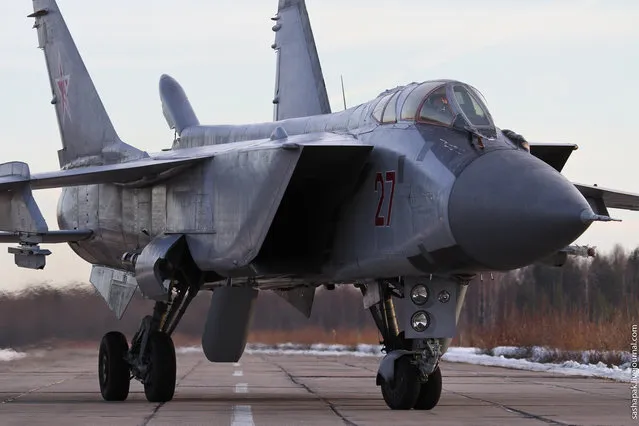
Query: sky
[[552, 70]]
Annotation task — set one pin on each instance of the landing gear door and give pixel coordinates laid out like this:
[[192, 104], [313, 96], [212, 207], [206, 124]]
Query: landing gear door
[[430, 308]]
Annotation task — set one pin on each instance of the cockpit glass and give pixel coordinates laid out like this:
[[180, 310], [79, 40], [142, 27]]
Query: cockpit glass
[[379, 109], [415, 99], [471, 107], [436, 108], [390, 112]]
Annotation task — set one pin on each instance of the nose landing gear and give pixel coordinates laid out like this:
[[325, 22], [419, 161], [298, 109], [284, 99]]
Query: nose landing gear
[[407, 391], [401, 393], [410, 375], [430, 391]]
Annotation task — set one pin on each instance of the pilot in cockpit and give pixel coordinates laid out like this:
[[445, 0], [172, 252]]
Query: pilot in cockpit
[[436, 108], [441, 104]]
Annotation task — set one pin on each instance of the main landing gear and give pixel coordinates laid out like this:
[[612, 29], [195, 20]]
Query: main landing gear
[[409, 375], [151, 357]]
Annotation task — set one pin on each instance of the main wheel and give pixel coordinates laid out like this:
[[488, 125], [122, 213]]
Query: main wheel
[[159, 383], [113, 369], [402, 393], [430, 391]]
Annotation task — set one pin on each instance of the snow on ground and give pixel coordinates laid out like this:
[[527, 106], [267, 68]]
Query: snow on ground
[[10, 355], [572, 368], [532, 359]]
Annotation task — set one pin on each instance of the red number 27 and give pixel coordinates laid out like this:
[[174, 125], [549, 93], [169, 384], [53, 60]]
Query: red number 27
[[380, 185]]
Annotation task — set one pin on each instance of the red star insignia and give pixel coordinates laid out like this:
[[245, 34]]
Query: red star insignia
[[62, 86]]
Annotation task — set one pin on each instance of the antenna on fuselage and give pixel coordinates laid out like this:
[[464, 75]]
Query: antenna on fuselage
[[343, 91]]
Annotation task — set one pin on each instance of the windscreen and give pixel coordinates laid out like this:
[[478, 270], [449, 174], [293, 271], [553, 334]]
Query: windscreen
[[471, 107]]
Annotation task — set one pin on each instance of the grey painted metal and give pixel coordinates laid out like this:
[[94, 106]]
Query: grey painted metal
[[462, 289], [609, 198], [300, 298], [551, 219], [227, 323], [372, 294], [404, 197], [300, 90], [18, 209], [29, 256], [442, 314], [176, 107], [554, 154], [116, 287], [149, 267], [386, 371], [85, 127], [141, 173], [48, 237]]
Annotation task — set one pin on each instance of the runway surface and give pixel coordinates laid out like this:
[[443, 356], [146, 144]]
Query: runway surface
[[61, 388]]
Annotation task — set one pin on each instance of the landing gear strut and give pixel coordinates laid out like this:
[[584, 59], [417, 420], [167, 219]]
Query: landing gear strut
[[151, 358], [409, 375]]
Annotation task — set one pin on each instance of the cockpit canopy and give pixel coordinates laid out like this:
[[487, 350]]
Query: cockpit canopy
[[435, 102]]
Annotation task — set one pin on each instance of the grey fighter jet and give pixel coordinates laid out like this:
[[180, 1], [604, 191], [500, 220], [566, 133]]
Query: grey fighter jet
[[406, 197]]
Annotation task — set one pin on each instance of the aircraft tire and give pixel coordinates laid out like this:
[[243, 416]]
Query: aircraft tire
[[159, 383], [430, 392], [113, 369], [403, 392]]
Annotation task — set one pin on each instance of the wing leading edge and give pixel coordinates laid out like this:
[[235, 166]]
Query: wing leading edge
[[554, 154], [141, 172], [602, 199]]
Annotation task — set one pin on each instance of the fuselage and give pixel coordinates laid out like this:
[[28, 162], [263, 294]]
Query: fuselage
[[443, 191]]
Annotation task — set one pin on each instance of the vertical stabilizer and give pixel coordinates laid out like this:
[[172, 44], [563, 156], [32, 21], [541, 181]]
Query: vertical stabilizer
[[85, 127], [300, 90]]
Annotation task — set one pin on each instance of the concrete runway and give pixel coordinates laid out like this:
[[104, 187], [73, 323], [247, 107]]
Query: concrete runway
[[61, 388]]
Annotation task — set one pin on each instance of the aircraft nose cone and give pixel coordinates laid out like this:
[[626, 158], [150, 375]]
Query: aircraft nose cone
[[508, 209]]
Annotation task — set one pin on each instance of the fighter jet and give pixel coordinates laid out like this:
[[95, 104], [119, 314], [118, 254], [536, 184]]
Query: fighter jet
[[406, 197]]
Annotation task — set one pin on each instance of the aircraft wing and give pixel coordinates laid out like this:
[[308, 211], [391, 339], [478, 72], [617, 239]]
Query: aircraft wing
[[22, 221], [16, 174], [47, 237], [553, 154], [602, 199]]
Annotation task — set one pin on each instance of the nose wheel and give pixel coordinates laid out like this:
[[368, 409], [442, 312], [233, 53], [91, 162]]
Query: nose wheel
[[402, 392], [113, 368], [406, 391], [430, 392]]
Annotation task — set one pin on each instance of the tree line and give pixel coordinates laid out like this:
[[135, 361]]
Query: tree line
[[587, 302]]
